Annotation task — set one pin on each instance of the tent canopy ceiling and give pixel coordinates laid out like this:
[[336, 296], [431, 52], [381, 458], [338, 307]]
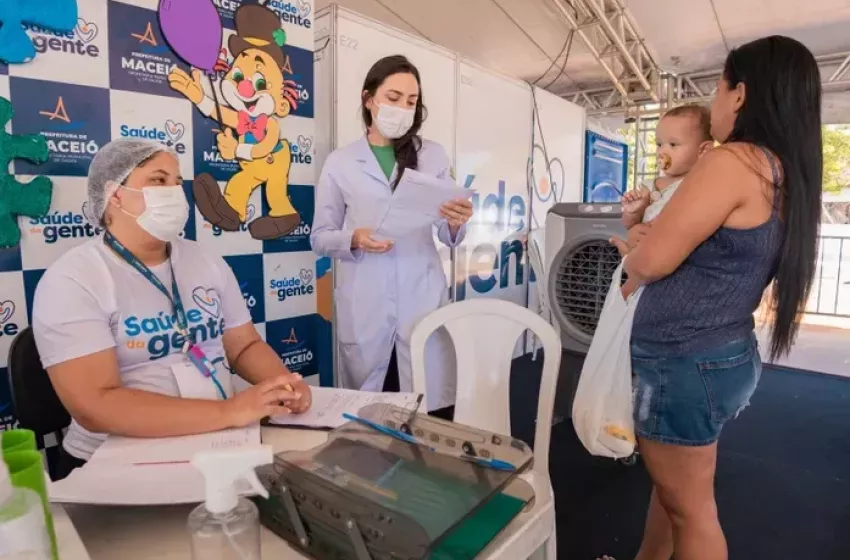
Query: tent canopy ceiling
[[526, 38]]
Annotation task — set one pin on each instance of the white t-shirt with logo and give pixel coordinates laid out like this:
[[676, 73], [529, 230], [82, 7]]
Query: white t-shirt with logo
[[91, 300]]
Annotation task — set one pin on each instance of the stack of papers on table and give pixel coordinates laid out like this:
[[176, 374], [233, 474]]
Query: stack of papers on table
[[330, 404], [135, 471]]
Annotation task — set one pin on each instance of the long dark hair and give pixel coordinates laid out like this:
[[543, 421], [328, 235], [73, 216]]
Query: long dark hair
[[782, 112], [407, 147]]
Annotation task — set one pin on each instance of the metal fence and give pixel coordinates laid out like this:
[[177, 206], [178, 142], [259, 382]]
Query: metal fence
[[831, 290]]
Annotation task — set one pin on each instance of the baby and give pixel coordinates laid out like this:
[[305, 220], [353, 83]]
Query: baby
[[683, 136]]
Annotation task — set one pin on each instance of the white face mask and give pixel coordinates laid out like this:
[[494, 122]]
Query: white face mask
[[394, 122], [166, 211]]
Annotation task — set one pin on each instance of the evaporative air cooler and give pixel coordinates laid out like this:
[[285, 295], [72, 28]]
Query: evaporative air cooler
[[579, 262]]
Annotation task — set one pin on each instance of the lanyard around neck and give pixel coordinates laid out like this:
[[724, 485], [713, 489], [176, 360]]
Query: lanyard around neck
[[173, 295]]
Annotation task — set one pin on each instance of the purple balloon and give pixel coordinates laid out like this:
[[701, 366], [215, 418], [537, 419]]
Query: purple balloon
[[192, 28]]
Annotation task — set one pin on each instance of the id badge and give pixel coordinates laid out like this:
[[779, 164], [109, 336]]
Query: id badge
[[193, 384]]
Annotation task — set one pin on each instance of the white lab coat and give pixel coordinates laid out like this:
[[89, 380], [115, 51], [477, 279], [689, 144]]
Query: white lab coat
[[380, 298]]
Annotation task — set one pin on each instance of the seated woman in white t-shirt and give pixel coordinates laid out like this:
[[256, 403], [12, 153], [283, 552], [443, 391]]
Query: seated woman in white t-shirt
[[125, 355]]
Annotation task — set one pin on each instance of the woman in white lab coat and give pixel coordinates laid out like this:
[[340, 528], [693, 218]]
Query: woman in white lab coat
[[385, 287]]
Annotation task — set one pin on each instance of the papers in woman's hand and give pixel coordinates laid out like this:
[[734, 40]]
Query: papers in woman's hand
[[136, 471], [416, 202]]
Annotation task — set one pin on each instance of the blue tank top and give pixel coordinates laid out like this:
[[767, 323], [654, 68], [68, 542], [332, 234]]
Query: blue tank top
[[710, 299]]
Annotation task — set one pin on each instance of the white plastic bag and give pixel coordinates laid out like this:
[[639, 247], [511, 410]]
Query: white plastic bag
[[602, 409]]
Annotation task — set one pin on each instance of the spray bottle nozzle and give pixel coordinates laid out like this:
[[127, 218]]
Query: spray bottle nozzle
[[222, 469]]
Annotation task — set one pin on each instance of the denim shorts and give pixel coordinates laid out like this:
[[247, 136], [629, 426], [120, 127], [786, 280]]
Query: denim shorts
[[686, 400]]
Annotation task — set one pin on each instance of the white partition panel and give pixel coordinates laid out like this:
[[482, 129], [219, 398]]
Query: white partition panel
[[362, 42], [559, 135], [557, 164], [323, 98], [494, 134]]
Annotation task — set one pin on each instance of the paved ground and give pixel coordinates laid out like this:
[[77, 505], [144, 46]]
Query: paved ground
[[822, 349]]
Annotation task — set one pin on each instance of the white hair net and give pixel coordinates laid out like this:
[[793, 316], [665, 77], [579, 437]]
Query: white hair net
[[110, 168]]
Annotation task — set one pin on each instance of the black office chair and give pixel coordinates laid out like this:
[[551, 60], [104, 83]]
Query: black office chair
[[36, 404]]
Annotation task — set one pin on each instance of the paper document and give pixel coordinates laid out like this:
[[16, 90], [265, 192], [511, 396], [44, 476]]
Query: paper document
[[141, 451], [137, 471], [416, 202], [122, 485], [329, 404]]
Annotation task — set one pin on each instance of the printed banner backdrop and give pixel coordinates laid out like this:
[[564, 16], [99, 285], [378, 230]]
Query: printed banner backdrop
[[108, 79], [513, 183], [492, 159]]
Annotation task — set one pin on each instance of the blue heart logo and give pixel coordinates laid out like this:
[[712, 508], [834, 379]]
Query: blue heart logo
[[207, 300], [86, 30], [304, 7], [174, 130], [7, 309], [306, 275]]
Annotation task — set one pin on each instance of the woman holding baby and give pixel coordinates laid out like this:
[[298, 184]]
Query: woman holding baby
[[744, 217]]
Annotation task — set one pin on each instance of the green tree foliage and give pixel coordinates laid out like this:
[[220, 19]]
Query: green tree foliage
[[836, 157], [648, 162]]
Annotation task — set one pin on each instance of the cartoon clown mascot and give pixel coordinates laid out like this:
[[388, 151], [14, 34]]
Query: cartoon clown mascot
[[254, 90]]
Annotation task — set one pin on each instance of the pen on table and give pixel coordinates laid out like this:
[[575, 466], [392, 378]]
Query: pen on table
[[382, 429], [405, 427], [153, 463], [495, 464], [418, 403]]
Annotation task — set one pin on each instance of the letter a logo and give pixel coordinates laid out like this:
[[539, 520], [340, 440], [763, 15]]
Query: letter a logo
[[58, 113], [292, 338], [148, 37]]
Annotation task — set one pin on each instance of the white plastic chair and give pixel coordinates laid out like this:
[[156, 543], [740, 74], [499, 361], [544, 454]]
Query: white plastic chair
[[536, 245], [485, 332]]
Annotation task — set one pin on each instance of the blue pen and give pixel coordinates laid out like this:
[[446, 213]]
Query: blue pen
[[489, 463], [379, 428]]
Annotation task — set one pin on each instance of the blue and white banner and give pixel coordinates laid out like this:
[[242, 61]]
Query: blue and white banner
[[107, 79]]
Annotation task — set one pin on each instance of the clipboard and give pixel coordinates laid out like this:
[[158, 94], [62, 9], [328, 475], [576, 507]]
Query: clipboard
[[366, 495]]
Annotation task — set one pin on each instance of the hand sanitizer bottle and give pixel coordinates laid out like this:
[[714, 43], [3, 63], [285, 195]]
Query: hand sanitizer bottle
[[23, 532], [227, 527]]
